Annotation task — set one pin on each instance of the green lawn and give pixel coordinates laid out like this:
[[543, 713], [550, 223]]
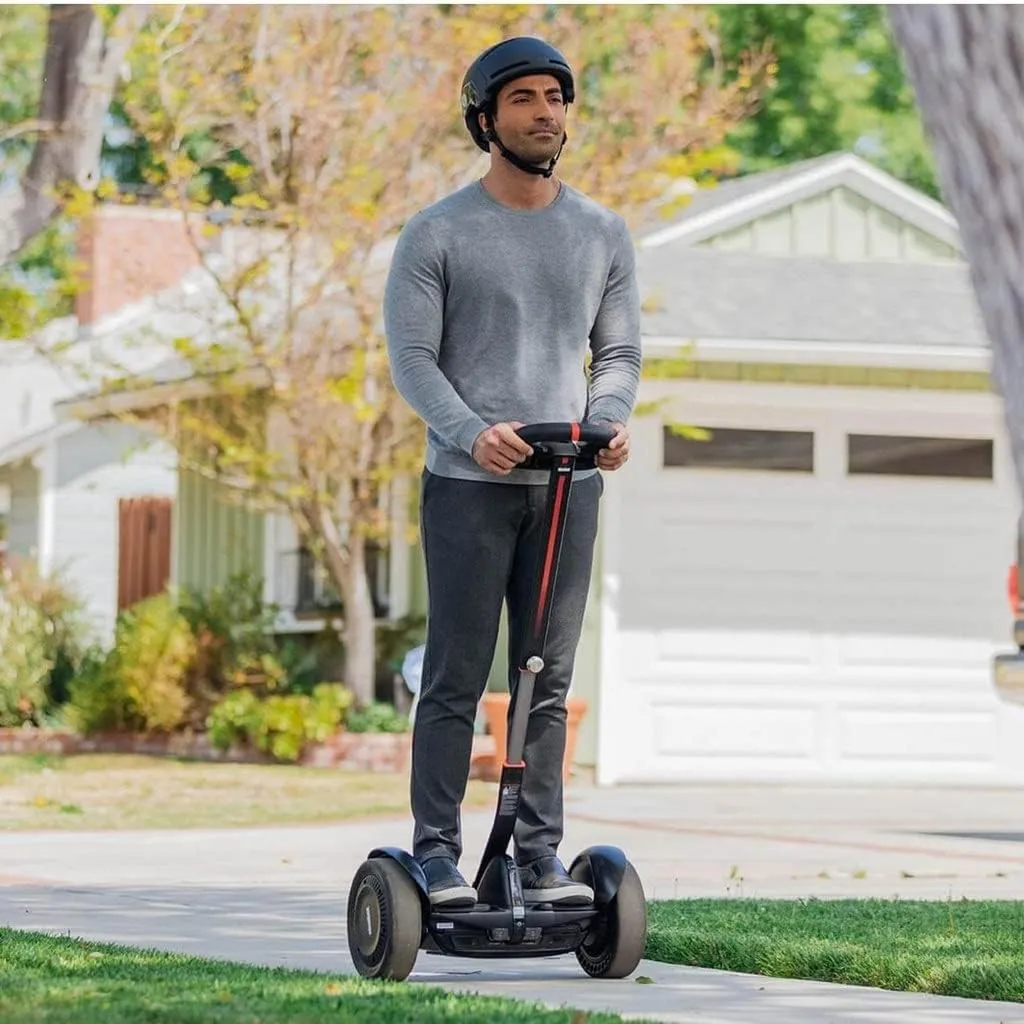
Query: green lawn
[[129, 791], [63, 981], [962, 948]]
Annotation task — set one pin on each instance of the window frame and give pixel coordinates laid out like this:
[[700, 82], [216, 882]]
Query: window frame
[[850, 437], [804, 434]]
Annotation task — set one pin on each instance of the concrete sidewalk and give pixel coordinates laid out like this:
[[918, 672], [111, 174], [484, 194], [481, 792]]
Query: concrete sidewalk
[[276, 896], [304, 928]]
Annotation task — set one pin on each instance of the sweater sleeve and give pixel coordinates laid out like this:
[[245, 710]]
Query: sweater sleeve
[[413, 326], [615, 339]]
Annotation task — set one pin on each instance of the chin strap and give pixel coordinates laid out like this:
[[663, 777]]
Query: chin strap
[[546, 172]]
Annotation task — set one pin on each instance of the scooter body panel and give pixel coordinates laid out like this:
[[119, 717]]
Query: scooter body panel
[[602, 868]]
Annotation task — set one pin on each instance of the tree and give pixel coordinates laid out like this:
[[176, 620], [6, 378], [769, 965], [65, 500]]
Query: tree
[[335, 125], [84, 52], [966, 63], [840, 85], [56, 150]]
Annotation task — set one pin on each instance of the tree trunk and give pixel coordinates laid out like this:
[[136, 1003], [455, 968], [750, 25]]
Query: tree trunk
[[81, 66], [348, 569], [360, 626], [966, 64]]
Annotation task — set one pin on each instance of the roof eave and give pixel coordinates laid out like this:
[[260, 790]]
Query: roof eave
[[30, 445], [849, 171], [966, 359], [114, 403]]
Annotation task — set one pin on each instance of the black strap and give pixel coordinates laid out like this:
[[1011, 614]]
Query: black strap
[[492, 137]]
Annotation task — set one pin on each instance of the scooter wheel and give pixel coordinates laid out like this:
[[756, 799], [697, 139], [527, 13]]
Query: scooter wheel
[[616, 944], [385, 920]]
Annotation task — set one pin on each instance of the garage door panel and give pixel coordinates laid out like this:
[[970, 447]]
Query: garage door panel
[[683, 651], [689, 514], [778, 549], [915, 735], [733, 682], [930, 555], [751, 603], [684, 660], [711, 730], [920, 610], [952, 501], [816, 624], [895, 653]]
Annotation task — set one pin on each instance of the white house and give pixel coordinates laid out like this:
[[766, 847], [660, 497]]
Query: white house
[[815, 592], [94, 500]]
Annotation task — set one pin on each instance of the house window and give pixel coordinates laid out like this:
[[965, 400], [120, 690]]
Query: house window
[[789, 451], [889, 455], [317, 594]]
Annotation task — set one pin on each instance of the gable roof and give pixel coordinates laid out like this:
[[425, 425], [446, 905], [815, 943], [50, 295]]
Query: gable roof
[[741, 200], [697, 292], [41, 375], [24, 446]]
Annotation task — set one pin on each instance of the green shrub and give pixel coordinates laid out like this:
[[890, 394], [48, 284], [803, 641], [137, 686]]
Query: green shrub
[[281, 729], [140, 683], [329, 704], [98, 700], [155, 649], [62, 625], [234, 720], [24, 662], [376, 717], [301, 664], [281, 725], [235, 644]]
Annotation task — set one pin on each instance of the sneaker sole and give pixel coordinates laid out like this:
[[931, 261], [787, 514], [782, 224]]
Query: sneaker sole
[[460, 896], [560, 894]]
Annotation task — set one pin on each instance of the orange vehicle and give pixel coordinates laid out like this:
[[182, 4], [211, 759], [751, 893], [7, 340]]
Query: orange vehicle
[[1008, 669]]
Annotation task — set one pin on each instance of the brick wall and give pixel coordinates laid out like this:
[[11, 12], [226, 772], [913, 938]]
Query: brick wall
[[367, 751], [127, 253]]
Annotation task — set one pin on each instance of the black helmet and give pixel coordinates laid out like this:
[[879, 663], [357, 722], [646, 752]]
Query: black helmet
[[499, 65]]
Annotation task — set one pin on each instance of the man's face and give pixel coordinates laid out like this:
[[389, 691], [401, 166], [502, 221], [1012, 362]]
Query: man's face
[[530, 117]]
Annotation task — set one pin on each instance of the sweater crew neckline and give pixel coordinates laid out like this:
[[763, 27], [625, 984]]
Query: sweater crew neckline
[[522, 211]]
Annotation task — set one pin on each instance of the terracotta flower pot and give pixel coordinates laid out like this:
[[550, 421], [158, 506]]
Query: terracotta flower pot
[[496, 706]]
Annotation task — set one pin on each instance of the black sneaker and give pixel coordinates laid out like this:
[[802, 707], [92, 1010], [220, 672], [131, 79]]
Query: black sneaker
[[445, 885], [546, 881]]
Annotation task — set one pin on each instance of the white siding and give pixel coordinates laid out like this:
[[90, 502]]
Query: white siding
[[839, 224], [95, 467]]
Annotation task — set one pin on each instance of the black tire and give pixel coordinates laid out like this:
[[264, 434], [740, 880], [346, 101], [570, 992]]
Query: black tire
[[385, 920], [616, 944]]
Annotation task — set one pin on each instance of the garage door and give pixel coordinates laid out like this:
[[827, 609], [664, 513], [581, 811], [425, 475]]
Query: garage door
[[813, 592]]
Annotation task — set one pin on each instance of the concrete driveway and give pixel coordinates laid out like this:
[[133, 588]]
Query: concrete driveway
[[277, 895]]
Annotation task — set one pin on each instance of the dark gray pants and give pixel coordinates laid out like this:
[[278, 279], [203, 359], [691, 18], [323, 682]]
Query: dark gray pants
[[481, 542]]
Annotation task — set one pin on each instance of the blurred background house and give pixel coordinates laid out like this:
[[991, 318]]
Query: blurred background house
[[812, 588]]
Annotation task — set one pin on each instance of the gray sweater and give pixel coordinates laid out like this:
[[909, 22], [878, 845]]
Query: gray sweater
[[489, 312]]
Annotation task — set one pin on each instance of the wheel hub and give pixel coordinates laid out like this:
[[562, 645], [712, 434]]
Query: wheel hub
[[367, 919]]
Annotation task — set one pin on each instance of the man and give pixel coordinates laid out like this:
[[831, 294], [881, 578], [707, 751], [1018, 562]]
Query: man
[[494, 295]]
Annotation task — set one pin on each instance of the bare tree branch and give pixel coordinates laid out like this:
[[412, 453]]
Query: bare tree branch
[[30, 127]]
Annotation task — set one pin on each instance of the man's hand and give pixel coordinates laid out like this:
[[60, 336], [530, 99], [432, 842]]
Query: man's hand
[[499, 449], [615, 455]]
